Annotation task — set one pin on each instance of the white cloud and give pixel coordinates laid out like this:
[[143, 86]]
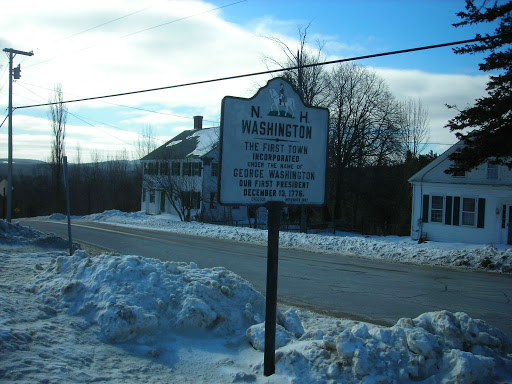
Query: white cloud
[[196, 48], [436, 91]]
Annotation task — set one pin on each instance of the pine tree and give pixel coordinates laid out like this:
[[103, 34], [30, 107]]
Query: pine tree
[[491, 116]]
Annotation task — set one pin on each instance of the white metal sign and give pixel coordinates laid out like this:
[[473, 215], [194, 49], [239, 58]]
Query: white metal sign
[[273, 148]]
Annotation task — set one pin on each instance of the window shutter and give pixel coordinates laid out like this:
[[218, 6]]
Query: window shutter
[[448, 210], [481, 213], [456, 210], [426, 200]]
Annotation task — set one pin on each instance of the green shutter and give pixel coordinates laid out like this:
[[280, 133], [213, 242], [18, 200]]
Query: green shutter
[[426, 200], [481, 213]]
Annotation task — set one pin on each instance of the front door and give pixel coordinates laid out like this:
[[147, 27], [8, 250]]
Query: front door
[[152, 202], [162, 201]]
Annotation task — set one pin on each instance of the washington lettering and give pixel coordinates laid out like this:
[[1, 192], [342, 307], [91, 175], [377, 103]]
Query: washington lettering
[[291, 175], [266, 128]]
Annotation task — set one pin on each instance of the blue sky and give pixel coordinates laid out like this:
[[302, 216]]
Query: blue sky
[[372, 26], [208, 43]]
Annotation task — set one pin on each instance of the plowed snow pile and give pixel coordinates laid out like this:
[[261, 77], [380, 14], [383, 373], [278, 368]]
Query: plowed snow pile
[[111, 318]]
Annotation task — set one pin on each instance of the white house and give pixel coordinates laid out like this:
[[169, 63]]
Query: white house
[[475, 207], [189, 164]]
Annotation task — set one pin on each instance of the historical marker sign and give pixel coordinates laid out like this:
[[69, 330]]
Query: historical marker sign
[[273, 148], [273, 152]]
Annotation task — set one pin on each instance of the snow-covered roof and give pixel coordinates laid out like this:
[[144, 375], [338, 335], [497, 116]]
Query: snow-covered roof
[[193, 143]]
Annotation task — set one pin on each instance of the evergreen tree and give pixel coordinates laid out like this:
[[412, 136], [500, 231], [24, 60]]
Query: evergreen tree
[[491, 116]]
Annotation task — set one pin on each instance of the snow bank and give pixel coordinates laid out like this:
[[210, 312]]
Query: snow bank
[[392, 248], [435, 347], [15, 234], [130, 296], [174, 321]]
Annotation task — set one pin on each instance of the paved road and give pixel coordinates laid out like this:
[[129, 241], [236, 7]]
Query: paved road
[[341, 285]]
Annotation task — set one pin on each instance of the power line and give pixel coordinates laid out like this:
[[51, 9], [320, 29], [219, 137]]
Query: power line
[[143, 30], [267, 72], [105, 132], [83, 119], [4, 121], [87, 30], [183, 18], [103, 24], [118, 105]]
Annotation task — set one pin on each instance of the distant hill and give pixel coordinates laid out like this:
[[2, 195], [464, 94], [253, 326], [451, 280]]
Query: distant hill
[[24, 167], [27, 167]]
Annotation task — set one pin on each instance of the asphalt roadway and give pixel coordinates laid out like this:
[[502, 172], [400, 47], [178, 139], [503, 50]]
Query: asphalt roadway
[[340, 285]]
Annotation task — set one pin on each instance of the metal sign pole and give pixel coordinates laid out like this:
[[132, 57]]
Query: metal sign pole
[[274, 222], [68, 204]]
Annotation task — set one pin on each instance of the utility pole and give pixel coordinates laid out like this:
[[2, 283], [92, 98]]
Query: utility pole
[[12, 53]]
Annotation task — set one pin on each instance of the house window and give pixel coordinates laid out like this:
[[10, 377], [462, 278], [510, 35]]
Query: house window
[[436, 212], [196, 169], [175, 168], [164, 168], [187, 169], [152, 196], [143, 195], [213, 200], [152, 168], [191, 200], [492, 171], [468, 211], [215, 169]]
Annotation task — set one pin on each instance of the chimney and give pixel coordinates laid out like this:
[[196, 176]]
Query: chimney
[[198, 123]]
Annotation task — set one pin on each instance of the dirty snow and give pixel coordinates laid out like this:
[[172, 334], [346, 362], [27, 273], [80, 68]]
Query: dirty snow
[[129, 319], [391, 248]]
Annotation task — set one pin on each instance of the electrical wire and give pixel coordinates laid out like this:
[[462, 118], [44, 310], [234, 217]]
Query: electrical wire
[[83, 119], [266, 72], [121, 105], [4, 121], [183, 18], [89, 29], [142, 30], [105, 132], [106, 23]]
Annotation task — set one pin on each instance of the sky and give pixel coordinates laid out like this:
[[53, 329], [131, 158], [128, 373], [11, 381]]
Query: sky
[[99, 48]]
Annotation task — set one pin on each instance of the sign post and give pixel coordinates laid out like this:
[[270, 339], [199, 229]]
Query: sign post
[[68, 203], [273, 153], [3, 192]]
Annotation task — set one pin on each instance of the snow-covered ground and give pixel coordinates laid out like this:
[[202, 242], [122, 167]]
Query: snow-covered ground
[[392, 248], [129, 319]]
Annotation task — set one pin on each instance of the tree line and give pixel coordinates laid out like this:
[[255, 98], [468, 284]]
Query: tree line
[[95, 186]]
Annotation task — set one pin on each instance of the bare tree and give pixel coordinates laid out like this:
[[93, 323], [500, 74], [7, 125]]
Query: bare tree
[[364, 124], [414, 127], [309, 81], [146, 142], [58, 117]]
